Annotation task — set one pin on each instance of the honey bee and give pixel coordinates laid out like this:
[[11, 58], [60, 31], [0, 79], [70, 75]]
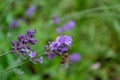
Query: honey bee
[[65, 58]]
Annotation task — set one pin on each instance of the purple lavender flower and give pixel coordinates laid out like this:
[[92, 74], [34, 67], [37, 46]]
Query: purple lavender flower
[[61, 44], [32, 54], [14, 24], [68, 26], [64, 40], [56, 19], [30, 11], [28, 38], [75, 57], [71, 24], [58, 47], [22, 45]]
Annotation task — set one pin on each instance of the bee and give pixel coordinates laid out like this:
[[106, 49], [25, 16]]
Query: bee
[[65, 58]]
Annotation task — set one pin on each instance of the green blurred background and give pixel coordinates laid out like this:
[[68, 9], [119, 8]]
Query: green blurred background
[[96, 37]]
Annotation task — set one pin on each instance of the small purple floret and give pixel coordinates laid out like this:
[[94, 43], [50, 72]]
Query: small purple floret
[[67, 26], [30, 11], [32, 54], [59, 30], [51, 56], [75, 57], [54, 45], [56, 19], [14, 46], [40, 60], [14, 24], [64, 40], [31, 33]]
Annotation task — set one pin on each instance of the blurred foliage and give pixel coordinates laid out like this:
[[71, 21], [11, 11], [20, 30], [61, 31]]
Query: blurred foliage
[[96, 37]]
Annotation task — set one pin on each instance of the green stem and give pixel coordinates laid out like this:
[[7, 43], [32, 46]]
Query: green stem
[[10, 68], [6, 70], [5, 53]]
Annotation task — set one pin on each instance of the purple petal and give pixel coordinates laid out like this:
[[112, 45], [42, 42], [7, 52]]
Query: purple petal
[[56, 19], [67, 40], [30, 11], [13, 43], [75, 57], [64, 49], [31, 33], [53, 45], [59, 30], [69, 25], [50, 56], [40, 60], [14, 24], [32, 54], [20, 37], [33, 41]]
